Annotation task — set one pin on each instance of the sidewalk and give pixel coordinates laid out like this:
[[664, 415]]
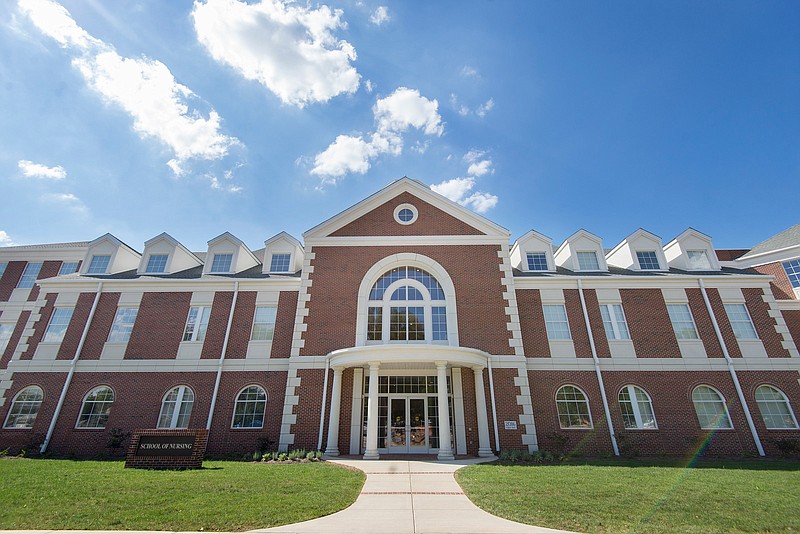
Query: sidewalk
[[410, 496]]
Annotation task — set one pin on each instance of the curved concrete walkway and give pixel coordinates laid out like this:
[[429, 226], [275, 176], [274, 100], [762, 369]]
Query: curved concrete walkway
[[410, 497]]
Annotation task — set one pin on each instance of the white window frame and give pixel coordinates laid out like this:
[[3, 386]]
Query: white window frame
[[550, 323], [269, 323], [792, 270], [583, 254], [288, 262], [6, 331], [636, 397], [3, 265], [789, 413], [614, 322], [648, 252], [719, 402], [247, 411], [29, 275], [673, 319], [411, 208], [568, 414], [704, 253], [215, 268], [95, 411], [741, 322], [62, 271], [199, 324], [57, 329], [121, 328], [95, 269], [528, 261], [31, 408], [184, 395], [150, 259]]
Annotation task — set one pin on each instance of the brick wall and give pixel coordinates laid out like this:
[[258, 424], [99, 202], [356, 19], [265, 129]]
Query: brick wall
[[40, 326], [337, 277], [49, 269], [765, 325], [781, 286], [14, 339], [792, 318], [577, 324], [29, 439], [217, 325], [532, 326], [507, 409], [10, 278], [159, 326], [649, 324], [242, 324], [705, 328], [596, 321], [306, 429], [786, 381], [284, 324], [72, 337], [430, 221], [102, 321]]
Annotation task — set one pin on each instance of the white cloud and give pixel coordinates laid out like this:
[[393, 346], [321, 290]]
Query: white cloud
[[454, 189], [144, 88], [369, 86], [469, 72], [37, 170], [484, 108], [5, 239], [460, 190], [69, 201], [380, 15], [481, 110], [480, 201], [394, 115], [289, 48], [480, 168]]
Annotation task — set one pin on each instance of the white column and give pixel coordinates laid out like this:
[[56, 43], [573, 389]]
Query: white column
[[332, 448], [445, 450], [372, 413], [483, 422]]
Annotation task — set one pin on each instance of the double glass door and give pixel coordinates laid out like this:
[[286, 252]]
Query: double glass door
[[408, 426]]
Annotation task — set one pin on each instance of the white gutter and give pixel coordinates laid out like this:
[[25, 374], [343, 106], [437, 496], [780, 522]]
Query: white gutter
[[324, 401], [732, 370], [72, 364], [222, 356], [494, 406], [597, 370]]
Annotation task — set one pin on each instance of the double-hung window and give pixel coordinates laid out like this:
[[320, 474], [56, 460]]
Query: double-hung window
[[573, 408], [741, 322], [587, 261], [197, 323], [58, 325], [5, 334], [123, 325], [264, 323], [555, 320], [682, 321], [221, 263], [792, 269], [648, 261], [98, 265], [537, 261], [68, 267], [156, 263], [280, 263], [29, 275], [614, 321], [698, 260]]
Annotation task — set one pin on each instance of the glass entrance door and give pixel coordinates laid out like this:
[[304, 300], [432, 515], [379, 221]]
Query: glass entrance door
[[408, 428]]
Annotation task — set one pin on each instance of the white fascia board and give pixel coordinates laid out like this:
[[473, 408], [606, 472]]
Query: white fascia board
[[638, 281], [773, 256], [282, 236], [210, 283], [56, 254], [379, 241]]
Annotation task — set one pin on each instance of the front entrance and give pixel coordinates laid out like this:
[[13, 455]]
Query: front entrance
[[409, 430]]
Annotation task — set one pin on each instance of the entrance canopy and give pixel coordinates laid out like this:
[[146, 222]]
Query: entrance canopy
[[406, 353]]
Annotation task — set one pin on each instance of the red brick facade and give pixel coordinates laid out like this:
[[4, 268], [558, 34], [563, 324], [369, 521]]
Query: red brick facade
[[780, 284]]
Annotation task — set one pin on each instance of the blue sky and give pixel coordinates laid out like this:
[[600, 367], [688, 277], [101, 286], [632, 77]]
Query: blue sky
[[195, 118]]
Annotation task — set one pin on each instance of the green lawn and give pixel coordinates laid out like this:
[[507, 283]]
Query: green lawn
[[642, 496], [232, 496]]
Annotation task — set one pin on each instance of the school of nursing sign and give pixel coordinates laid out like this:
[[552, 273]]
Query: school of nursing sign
[[165, 446]]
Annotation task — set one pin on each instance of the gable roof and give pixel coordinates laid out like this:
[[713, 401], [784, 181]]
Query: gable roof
[[787, 239]]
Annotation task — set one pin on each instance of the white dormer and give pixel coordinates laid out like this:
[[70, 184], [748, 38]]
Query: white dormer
[[533, 252], [581, 252], [227, 254], [283, 254], [109, 255], [692, 251], [164, 255], [640, 251]]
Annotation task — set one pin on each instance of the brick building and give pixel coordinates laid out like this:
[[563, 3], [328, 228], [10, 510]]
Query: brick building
[[405, 324]]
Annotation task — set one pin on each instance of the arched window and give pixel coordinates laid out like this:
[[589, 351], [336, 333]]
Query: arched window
[[176, 408], [710, 407], [573, 408], [637, 409], [96, 407], [407, 305], [775, 409], [251, 403], [24, 408]]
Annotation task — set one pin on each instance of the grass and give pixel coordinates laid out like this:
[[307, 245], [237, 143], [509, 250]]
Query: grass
[[642, 496], [227, 496]]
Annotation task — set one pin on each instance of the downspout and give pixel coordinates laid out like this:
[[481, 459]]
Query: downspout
[[731, 368], [72, 364], [324, 401], [494, 406], [597, 370], [222, 356]]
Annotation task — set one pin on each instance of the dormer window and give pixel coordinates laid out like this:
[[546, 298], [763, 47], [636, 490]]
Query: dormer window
[[648, 261], [98, 265], [280, 263], [157, 263], [587, 261], [537, 261], [698, 260], [221, 263]]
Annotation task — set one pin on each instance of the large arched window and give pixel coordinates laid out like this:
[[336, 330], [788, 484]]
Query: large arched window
[[96, 408], [407, 305], [775, 409], [637, 409], [176, 409], [710, 407], [24, 408], [573, 408], [251, 403]]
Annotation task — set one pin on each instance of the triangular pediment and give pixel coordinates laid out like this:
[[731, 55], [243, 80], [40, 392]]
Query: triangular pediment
[[433, 214]]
